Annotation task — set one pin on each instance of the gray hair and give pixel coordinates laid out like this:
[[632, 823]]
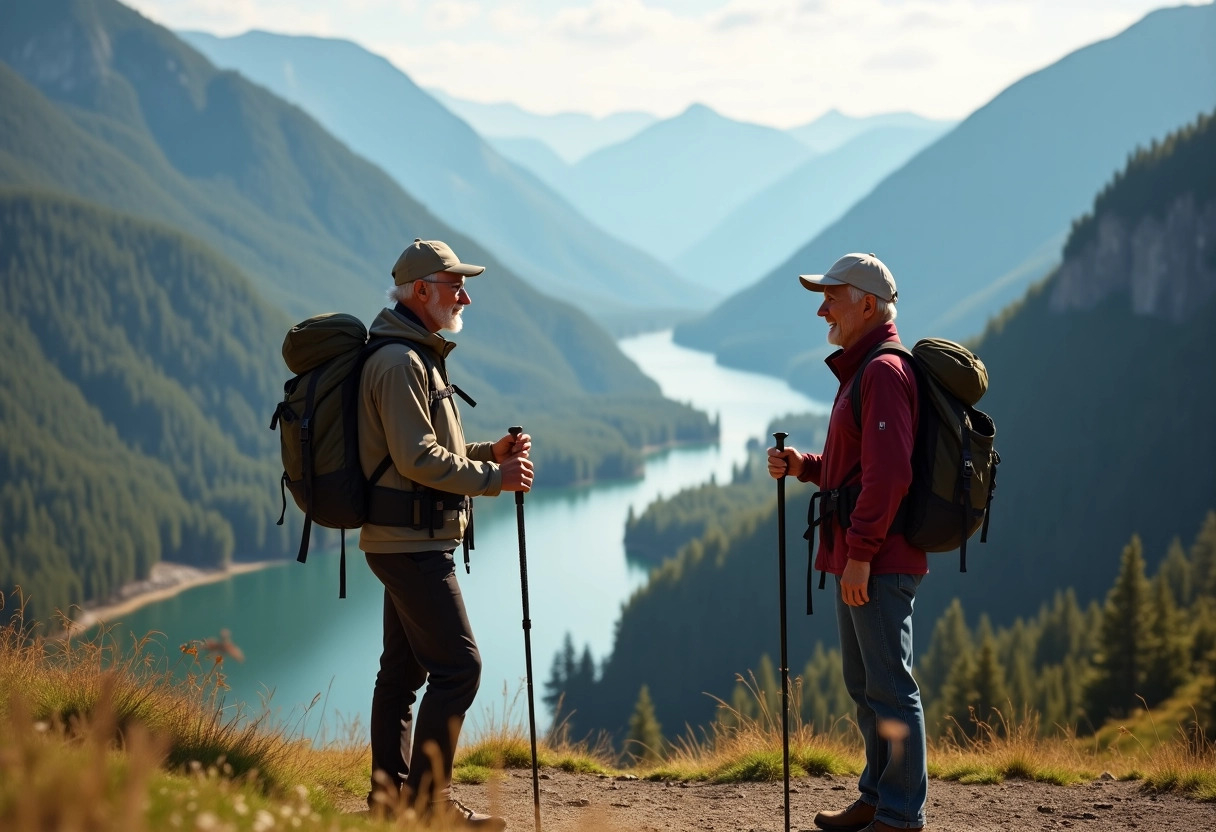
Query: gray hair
[[400, 293], [885, 308]]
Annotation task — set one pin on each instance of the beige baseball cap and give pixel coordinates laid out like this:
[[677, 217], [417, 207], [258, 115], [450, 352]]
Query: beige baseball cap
[[423, 258], [865, 271]]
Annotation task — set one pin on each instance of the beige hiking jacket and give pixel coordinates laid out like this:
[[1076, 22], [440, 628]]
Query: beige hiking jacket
[[426, 442]]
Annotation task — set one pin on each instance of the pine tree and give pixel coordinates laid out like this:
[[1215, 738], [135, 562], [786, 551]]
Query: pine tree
[[562, 672], [1203, 559], [825, 699], [1168, 647], [951, 713], [1122, 660], [988, 683], [1175, 570], [1064, 630], [950, 639], [1203, 636], [645, 743], [1018, 657]]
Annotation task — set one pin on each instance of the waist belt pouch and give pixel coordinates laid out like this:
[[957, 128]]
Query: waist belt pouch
[[412, 509]]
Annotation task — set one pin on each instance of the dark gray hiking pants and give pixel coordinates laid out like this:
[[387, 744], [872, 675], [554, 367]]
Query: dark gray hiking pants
[[427, 639]]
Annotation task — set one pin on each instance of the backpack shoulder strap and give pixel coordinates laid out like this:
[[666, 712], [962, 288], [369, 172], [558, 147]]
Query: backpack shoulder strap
[[883, 347]]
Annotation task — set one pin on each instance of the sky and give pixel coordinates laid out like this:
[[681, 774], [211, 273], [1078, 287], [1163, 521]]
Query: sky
[[775, 62]]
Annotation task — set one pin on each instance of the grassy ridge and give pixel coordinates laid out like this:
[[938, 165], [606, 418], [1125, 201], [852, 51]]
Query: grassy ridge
[[94, 737]]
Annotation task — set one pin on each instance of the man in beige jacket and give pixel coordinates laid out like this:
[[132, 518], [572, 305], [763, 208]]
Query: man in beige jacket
[[423, 472]]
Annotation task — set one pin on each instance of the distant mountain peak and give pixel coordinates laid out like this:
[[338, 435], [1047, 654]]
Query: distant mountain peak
[[698, 110]]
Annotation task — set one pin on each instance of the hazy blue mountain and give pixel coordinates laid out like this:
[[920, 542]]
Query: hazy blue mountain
[[135, 120], [667, 186], [959, 223], [571, 135], [834, 128], [381, 114], [536, 156], [799, 205]]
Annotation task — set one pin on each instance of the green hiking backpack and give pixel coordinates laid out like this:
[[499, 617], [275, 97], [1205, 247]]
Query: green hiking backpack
[[318, 426], [953, 459]]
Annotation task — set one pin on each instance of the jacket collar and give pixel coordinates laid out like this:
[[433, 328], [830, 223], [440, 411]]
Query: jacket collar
[[844, 363], [399, 322]]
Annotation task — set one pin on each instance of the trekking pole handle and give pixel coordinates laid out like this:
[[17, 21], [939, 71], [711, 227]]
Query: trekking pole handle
[[780, 437], [515, 431]]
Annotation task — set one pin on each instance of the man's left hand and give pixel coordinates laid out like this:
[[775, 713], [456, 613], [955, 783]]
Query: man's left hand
[[855, 582], [510, 447]]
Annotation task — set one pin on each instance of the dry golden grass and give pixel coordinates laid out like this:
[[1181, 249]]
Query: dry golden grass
[[503, 741], [742, 748]]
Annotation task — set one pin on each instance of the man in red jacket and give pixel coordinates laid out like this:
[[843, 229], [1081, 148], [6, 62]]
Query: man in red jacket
[[877, 571]]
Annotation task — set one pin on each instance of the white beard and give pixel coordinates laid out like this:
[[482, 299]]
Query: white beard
[[445, 316]]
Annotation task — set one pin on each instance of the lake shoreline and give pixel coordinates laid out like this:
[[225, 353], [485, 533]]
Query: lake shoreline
[[165, 580]]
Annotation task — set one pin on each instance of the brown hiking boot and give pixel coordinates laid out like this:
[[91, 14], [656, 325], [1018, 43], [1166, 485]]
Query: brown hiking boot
[[452, 814], [856, 817]]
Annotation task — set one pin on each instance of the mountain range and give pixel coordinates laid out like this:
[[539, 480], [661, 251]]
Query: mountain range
[[161, 224], [671, 182], [977, 216], [663, 186], [783, 216], [570, 136], [379, 113], [833, 129]]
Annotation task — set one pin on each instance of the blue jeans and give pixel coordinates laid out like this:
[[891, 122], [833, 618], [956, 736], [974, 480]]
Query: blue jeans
[[876, 648]]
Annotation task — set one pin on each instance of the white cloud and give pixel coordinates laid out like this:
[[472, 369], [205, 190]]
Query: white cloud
[[449, 15], [775, 61]]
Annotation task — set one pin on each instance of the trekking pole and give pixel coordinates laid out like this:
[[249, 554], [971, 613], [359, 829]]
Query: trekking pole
[[523, 582], [785, 669]]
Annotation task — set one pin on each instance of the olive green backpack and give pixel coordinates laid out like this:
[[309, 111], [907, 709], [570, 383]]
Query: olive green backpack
[[318, 425]]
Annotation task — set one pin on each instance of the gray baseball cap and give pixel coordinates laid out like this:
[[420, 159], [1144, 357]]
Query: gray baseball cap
[[865, 271], [423, 258]]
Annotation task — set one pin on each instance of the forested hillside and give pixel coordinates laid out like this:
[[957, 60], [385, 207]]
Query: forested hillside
[[105, 105], [133, 422], [1101, 388]]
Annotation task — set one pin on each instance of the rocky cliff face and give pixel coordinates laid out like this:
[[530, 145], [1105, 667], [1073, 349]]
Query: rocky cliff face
[[1167, 265]]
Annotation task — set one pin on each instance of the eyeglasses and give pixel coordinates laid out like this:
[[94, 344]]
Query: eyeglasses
[[457, 287]]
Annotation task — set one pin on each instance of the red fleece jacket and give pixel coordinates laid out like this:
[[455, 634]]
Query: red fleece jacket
[[882, 446]]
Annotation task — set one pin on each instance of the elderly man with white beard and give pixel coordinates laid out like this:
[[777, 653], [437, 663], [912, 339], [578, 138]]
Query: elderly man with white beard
[[422, 474]]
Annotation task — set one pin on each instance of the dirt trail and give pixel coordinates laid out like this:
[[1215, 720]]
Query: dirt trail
[[589, 802]]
